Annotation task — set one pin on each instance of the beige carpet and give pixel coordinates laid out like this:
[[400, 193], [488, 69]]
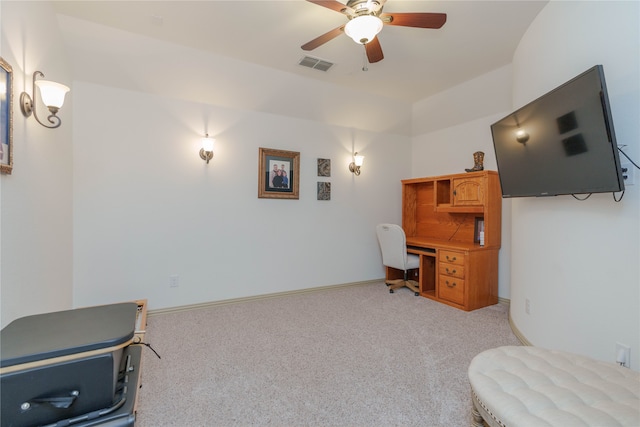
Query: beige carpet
[[352, 356]]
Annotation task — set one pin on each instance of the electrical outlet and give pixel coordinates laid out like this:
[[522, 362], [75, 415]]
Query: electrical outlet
[[628, 173], [527, 306], [623, 355], [174, 281]]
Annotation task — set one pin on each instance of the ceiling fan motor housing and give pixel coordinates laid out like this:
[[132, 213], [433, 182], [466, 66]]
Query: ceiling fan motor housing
[[365, 7]]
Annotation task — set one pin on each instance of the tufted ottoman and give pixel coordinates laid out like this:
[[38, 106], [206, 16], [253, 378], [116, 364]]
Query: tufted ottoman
[[530, 386]]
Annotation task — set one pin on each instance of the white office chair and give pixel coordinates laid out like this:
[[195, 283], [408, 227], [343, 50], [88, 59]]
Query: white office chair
[[393, 244]]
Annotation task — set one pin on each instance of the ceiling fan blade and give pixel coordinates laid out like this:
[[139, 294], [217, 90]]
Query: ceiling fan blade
[[334, 5], [374, 51], [418, 20], [319, 41]]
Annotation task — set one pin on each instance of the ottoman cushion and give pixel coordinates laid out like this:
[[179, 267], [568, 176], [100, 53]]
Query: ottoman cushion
[[530, 386]]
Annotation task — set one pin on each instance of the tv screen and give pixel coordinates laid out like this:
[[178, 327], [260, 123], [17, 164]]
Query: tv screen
[[561, 143]]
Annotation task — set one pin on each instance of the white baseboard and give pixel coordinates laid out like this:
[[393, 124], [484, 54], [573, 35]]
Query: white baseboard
[[256, 297]]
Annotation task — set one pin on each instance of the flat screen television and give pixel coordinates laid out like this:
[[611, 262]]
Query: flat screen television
[[561, 143]]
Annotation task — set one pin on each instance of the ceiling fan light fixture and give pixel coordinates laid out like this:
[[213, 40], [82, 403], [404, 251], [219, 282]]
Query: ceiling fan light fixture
[[362, 29]]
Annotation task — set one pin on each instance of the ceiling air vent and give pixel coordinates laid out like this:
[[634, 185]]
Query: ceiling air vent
[[315, 63]]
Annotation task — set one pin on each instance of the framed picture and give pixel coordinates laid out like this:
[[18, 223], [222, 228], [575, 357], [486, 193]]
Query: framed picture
[[278, 174], [324, 167], [324, 191], [478, 228], [6, 117]]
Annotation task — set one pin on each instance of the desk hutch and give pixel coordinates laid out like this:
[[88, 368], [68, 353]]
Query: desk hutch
[[441, 217]]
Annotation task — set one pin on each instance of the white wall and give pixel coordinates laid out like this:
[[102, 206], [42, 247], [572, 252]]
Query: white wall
[[577, 262], [456, 123], [130, 202], [147, 207], [475, 99], [117, 58], [36, 221]]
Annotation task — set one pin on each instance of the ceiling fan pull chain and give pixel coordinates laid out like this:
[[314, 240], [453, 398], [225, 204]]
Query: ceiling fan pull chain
[[364, 59]]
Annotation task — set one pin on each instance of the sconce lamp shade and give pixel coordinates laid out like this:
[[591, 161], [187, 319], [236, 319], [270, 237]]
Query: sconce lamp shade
[[362, 29], [52, 93], [354, 166], [207, 143], [206, 152]]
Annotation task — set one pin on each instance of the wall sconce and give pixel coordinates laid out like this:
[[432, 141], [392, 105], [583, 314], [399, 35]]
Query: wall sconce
[[357, 162], [206, 152], [52, 95]]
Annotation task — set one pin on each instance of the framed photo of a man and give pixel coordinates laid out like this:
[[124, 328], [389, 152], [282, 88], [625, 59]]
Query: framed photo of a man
[[278, 174], [6, 117]]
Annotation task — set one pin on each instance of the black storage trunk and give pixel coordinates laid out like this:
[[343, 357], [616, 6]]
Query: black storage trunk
[[70, 367]]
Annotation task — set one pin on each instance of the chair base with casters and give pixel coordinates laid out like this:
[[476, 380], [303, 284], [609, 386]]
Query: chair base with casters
[[393, 245], [394, 284]]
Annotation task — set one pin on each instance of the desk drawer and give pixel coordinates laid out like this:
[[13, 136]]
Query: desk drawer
[[451, 270], [452, 257], [451, 289]]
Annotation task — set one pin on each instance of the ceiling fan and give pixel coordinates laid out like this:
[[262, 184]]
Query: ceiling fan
[[366, 21]]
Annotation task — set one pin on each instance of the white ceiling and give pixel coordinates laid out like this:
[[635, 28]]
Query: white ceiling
[[479, 36]]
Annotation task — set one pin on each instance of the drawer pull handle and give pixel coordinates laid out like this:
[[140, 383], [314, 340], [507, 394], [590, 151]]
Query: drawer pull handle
[[452, 285], [450, 272], [451, 259]]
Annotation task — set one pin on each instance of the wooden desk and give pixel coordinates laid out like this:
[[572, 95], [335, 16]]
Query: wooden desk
[[439, 216], [464, 276]]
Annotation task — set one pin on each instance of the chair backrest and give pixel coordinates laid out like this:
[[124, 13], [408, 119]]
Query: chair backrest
[[393, 244]]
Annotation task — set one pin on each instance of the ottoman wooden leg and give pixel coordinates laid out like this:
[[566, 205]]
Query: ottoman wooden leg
[[477, 420]]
